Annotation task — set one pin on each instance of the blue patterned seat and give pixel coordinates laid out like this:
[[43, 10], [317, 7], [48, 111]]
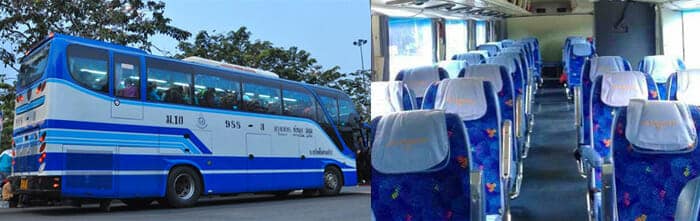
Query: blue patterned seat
[[654, 159], [611, 93], [507, 42], [477, 104], [511, 63], [390, 96], [472, 57], [492, 47], [536, 55], [592, 69], [684, 85], [418, 79], [567, 45], [421, 166], [453, 67], [578, 54], [660, 67]]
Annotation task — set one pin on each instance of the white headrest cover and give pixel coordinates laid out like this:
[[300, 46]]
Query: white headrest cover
[[419, 79], [688, 87], [660, 126], [453, 67], [462, 96], [507, 60], [486, 72], [660, 67], [386, 97], [410, 142], [485, 53], [603, 64], [582, 49], [619, 87]]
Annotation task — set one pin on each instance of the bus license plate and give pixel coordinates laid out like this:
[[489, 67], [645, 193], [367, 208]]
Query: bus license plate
[[23, 184]]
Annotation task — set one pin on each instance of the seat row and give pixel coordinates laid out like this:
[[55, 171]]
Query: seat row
[[462, 143], [637, 150]]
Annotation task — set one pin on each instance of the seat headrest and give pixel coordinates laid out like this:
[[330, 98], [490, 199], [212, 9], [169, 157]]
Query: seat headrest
[[512, 50], [660, 67], [410, 142], [471, 58], [486, 72], [505, 60], [485, 53], [619, 87], [386, 97], [688, 86], [660, 127], [582, 49], [419, 79], [603, 64], [453, 67], [463, 96]]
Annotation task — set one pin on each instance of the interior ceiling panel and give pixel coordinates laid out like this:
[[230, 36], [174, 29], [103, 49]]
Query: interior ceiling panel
[[451, 8]]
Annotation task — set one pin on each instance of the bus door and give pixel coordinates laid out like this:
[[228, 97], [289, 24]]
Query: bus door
[[127, 88]]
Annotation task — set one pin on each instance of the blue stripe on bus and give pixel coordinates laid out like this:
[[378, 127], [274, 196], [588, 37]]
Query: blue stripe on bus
[[31, 105], [117, 139]]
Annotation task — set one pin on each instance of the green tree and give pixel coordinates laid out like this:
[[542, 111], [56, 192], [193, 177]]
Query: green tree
[[237, 47], [24, 23], [126, 22]]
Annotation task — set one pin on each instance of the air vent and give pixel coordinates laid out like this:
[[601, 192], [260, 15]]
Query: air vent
[[562, 10], [541, 10]]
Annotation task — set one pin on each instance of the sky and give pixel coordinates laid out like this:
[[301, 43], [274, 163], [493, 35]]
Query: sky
[[324, 28]]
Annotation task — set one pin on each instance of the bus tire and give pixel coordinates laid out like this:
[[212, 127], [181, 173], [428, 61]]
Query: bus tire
[[183, 188], [332, 181]]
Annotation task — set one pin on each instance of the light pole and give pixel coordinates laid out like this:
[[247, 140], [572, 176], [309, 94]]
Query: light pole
[[359, 43]]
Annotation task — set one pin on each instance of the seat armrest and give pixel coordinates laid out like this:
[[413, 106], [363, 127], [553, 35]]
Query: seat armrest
[[590, 156], [688, 205], [477, 203], [578, 106], [609, 210]]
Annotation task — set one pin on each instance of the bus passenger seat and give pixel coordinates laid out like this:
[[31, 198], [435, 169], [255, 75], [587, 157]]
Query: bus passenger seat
[[660, 67], [453, 67], [472, 57], [492, 47], [418, 79], [579, 53], [656, 163], [422, 168], [685, 86], [476, 102], [389, 97], [611, 94]]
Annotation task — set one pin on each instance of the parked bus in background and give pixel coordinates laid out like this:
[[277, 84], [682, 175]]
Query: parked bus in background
[[101, 121]]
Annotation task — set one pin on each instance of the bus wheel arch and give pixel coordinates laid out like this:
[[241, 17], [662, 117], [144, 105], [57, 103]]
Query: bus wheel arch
[[333, 180], [184, 186]]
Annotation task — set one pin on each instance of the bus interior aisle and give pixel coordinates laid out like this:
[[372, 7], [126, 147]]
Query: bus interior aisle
[[552, 188]]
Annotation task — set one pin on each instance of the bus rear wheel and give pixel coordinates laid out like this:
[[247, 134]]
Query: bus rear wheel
[[332, 181], [183, 187]]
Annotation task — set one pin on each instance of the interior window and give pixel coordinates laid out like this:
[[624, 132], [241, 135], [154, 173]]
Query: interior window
[[455, 38], [126, 73], [691, 34], [480, 32], [410, 43], [298, 104], [168, 85], [88, 67], [331, 106], [261, 98], [216, 92]]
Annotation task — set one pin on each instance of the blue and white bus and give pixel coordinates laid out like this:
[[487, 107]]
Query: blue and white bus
[[101, 121]]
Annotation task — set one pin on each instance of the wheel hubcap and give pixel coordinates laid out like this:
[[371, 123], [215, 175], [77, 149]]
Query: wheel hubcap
[[184, 186], [331, 181]]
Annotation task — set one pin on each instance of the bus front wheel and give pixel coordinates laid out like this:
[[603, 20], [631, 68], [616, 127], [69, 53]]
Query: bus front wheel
[[183, 187], [332, 181]]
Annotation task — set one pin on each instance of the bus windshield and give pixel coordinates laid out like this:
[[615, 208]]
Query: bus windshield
[[33, 67]]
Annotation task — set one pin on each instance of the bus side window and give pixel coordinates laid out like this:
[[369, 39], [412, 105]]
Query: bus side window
[[216, 92], [298, 104], [88, 67], [348, 115], [168, 86], [331, 106], [261, 98], [126, 74]]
